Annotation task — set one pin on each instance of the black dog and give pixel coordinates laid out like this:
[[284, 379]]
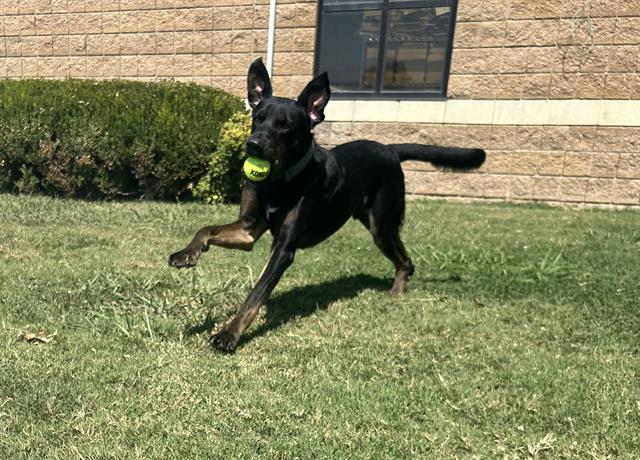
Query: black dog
[[311, 192]]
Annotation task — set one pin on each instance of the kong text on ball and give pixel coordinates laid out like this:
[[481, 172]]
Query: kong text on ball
[[256, 169]]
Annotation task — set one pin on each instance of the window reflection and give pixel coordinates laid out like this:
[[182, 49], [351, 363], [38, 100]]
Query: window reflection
[[415, 37], [415, 49], [349, 49]]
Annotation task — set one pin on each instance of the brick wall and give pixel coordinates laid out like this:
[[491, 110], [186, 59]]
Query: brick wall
[[205, 41], [526, 50], [570, 164], [504, 50], [512, 49]]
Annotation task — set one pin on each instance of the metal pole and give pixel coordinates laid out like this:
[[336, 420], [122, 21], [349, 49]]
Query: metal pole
[[272, 35]]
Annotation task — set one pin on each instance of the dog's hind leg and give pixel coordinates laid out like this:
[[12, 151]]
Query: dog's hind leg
[[390, 244], [384, 220]]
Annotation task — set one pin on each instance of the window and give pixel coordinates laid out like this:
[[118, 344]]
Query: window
[[386, 49]]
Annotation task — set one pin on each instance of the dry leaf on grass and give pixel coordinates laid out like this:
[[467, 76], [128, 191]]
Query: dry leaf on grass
[[40, 337]]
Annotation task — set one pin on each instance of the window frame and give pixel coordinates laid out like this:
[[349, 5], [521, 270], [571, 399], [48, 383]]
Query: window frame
[[378, 94]]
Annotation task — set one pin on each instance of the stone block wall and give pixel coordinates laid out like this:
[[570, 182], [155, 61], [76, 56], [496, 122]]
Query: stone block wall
[[210, 42], [592, 165], [530, 51], [547, 49], [504, 50]]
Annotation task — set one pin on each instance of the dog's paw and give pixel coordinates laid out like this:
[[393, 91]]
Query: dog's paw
[[223, 341], [183, 259]]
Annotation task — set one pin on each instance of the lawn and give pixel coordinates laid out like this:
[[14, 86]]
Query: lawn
[[519, 337]]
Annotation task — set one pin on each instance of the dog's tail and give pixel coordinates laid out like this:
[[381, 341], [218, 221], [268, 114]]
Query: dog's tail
[[443, 157]]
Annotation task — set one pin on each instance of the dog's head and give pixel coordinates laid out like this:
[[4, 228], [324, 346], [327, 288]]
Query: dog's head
[[281, 128]]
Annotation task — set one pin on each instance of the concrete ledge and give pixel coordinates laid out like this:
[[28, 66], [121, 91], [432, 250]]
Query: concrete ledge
[[573, 112], [459, 111], [418, 112], [520, 112], [376, 110]]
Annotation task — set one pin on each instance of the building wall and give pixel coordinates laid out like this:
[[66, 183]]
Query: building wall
[[561, 163], [550, 88], [210, 42], [521, 73], [513, 49]]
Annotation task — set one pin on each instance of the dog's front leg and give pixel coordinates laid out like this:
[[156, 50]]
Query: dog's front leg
[[281, 258], [241, 234]]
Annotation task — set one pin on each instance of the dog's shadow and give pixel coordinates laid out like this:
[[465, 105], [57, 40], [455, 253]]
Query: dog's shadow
[[301, 302], [304, 301]]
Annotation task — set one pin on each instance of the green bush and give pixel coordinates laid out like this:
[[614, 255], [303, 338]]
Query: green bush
[[222, 181], [108, 139]]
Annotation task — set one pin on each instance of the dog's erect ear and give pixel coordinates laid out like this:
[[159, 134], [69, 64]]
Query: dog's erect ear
[[258, 83], [315, 97]]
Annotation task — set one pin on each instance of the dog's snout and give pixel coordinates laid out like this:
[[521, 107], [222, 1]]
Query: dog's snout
[[254, 148]]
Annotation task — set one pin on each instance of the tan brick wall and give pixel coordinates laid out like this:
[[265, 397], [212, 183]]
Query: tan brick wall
[[210, 42], [571, 164], [513, 49], [523, 49], [504, 49]]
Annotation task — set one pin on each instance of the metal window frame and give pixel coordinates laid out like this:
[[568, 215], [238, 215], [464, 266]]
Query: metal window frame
[[384, 6]]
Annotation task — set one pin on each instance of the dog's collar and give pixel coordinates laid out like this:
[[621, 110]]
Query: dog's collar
[[297, 168]]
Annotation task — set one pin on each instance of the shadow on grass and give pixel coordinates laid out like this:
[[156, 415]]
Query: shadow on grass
[[304, 301], [206, 326], [300, 302]]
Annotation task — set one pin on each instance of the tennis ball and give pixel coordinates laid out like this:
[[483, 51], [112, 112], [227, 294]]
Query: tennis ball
[[256, 169]]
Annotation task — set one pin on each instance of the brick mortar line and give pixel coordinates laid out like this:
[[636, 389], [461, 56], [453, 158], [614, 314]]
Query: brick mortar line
[[570, 151], [546, 46], [533, 45], [552, 18], [191, 8], [520, 175], [555, 18], [567, 203], [592, 126], [509, 197], [166, 53], [616, 72], [260, 29], [509, 98], [13, 56], [127, 76], [589, 153], [166, 9], [547, 74], [253, 5]]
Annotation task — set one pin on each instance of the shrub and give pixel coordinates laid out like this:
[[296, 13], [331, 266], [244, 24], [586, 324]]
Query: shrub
[[108, 139], [221, 183]]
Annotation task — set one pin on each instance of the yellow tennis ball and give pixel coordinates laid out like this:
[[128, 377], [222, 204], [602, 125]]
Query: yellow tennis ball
[[256, 169]]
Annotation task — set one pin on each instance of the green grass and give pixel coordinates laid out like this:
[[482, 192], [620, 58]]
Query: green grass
[[519, 337]]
